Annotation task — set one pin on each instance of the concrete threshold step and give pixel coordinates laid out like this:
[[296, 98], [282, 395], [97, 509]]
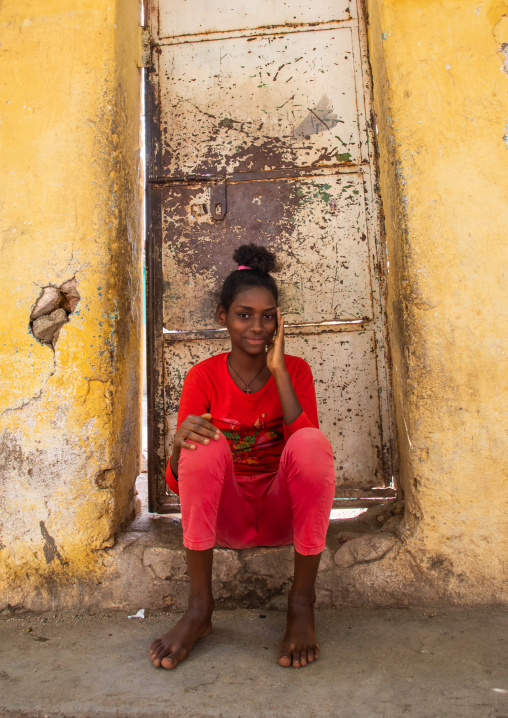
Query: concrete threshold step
[[146, 567]]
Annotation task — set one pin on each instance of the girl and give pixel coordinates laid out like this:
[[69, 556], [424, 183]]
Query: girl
[[249, 462]]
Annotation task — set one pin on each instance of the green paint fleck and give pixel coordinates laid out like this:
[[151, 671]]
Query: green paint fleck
[[344, 157]]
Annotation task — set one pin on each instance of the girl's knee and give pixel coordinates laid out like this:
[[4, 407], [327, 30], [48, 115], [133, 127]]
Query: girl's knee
[[204, 455], [309, 439], [309, 454]]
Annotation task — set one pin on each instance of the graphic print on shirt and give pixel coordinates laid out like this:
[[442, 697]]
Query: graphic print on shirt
[[243, 438]]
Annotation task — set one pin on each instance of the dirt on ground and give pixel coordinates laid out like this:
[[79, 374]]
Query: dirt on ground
[[440, 663]]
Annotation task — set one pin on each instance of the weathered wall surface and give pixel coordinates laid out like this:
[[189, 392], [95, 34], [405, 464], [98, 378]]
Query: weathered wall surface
[[70, 209], [440, 91]]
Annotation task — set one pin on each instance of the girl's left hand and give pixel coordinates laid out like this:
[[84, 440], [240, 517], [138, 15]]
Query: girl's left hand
[[275, 354]]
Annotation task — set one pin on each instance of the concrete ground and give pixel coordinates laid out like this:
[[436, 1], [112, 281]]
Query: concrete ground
[[442, 663]]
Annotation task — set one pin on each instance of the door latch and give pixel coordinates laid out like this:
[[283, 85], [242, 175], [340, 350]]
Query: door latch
[[218, 201]]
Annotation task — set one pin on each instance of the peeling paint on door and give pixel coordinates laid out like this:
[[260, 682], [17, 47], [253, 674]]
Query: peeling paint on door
[[237, 106], [260, 134]]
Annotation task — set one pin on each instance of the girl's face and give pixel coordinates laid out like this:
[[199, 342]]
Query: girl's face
[[251, 320]]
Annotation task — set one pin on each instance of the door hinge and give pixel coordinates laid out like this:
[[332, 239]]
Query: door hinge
[[144, 51]]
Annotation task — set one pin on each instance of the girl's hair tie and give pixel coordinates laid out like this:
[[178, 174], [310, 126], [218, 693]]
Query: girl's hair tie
[[242, 266]]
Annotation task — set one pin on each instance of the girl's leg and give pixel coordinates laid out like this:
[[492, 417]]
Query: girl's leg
[[307, 479], [299, 645], [307, 468], [202, 474], [209, 496], [171, 648]]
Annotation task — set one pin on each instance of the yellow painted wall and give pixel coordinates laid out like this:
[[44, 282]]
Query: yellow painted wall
[[441, 99], [69, 207]]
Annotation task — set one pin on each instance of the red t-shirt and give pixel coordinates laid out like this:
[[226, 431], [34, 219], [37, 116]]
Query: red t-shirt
[[252, 423]]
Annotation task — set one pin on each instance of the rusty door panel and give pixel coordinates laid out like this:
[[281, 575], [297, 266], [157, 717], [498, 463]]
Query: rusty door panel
[[316, 225], [210, 16], [274, 102], [344, 367], [259, 132]]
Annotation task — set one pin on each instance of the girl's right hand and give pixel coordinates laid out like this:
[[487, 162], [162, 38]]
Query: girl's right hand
[[197, 429]]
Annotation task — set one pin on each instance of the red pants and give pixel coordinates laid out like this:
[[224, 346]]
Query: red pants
[[292, 505]]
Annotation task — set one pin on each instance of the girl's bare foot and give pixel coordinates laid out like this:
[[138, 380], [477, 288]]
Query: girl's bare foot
[[299, 645], [175, 645]]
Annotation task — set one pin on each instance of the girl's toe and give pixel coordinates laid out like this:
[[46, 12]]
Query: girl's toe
[[170, 661], [284, 660]]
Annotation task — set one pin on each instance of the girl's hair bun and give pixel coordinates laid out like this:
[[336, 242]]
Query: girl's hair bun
[[256, 257], [260, 262]]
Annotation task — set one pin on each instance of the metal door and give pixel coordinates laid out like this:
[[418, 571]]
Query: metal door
[[259, 133]]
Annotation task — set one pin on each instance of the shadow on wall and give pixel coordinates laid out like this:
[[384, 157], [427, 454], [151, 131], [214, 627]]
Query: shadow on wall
[[52, 310]]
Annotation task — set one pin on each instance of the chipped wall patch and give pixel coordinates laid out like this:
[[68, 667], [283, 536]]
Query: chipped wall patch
[[52, 310], [104, 479]]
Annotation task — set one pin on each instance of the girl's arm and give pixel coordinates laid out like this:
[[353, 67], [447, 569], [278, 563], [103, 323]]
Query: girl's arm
[[291, 407]]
